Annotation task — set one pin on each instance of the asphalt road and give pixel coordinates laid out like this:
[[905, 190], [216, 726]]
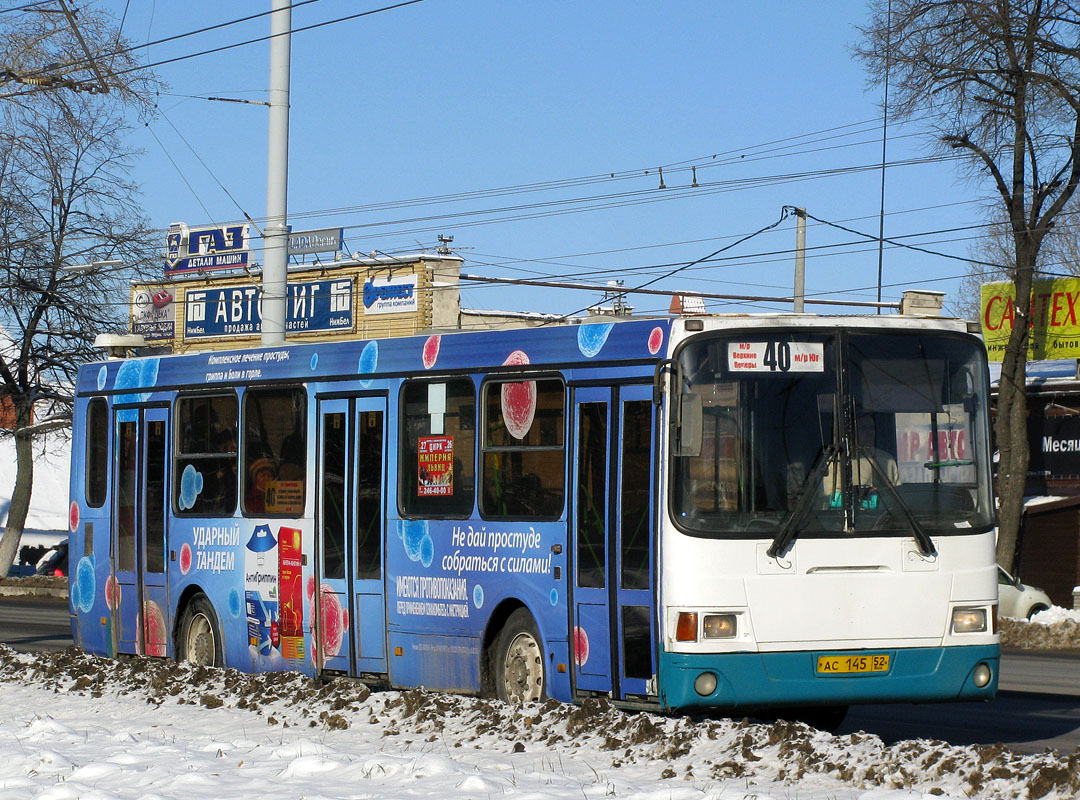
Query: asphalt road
[[1037, 707]]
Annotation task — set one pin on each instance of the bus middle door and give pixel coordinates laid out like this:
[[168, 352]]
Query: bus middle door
[[137, 595], [612, 542], [351, 614]]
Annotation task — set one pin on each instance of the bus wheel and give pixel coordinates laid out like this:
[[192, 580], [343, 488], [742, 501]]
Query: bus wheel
[[519, 661], [200, 642]]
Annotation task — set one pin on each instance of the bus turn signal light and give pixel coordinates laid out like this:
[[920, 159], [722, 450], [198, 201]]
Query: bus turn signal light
[[686, 629]]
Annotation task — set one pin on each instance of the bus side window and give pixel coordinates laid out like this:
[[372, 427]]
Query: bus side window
[[206, 455], [523, 461], [437, 448], [275, 451], [97, 452]]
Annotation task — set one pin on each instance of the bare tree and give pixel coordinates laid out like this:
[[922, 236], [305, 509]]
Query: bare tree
[[1001, 81], [991, 258], [65, 200]]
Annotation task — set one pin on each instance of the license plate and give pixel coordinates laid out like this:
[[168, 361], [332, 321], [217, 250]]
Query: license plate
[[853, 665]]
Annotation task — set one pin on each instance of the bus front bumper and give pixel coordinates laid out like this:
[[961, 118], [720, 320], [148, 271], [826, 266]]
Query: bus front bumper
[[764, 680]]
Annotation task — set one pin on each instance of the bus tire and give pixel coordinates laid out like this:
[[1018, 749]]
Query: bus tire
[[518, 665], [200, 637]]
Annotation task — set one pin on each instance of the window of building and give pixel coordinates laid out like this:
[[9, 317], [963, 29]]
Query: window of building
[[438, 448], [275, 451], [523, 461], [205, 482]]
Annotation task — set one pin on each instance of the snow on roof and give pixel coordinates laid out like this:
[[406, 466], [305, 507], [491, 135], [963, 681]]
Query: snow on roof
[[1039, 372]]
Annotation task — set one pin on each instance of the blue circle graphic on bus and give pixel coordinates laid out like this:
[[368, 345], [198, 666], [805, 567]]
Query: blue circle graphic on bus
[[137, 374], [554, 597], [414, 532], [191, 485], [84, 585], [369, 361], [478, 596], [102, 378], [314, 360], [591, 338], [235, 606], [427, 550]]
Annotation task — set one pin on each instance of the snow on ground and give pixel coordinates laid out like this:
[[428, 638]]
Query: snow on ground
[[1056, 628], [76, 726]]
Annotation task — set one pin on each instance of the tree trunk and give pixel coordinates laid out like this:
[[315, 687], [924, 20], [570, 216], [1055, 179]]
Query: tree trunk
[[20, 495], [1011, 424]]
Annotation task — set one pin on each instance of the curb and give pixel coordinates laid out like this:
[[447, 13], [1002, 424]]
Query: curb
[[33, 591]]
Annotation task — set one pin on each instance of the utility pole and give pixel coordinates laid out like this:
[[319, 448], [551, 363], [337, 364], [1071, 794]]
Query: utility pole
[[276, 233], [800, 259]]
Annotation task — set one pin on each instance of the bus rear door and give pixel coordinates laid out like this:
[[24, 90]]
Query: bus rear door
[[613, 542], [137, 595], [351, 617]]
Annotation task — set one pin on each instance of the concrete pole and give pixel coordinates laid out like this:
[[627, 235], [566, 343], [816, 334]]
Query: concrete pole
[[276, 233], [800, 259]]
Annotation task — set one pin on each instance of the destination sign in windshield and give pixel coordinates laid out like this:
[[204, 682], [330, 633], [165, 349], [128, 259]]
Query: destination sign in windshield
[[779, 356]]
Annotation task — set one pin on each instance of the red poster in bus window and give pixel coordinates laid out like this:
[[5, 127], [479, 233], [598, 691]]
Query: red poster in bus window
[[435, 466], [290, 584]]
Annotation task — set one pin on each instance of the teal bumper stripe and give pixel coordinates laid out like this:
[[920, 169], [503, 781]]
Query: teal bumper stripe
[[755, 680]]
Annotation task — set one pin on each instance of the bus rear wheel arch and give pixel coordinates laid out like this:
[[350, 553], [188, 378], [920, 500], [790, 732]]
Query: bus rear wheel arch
[[517, 661], [199, 635]]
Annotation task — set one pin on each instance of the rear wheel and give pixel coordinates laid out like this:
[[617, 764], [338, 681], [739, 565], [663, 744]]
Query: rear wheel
[[518, 666], [200, 641]]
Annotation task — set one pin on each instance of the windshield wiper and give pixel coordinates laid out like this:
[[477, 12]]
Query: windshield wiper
[[926, 544], [786, 535]]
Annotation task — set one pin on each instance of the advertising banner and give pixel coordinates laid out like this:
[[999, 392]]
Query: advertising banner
[[153, 312], [201, 249], [390, 295], [1055, 323], [311, 306]]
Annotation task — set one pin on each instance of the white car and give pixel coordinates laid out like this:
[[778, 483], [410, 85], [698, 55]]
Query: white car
[[1016, 599]]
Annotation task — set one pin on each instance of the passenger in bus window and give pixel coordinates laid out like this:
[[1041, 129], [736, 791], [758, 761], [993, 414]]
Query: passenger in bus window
[[262, 472], [225, 497], [293, 457]]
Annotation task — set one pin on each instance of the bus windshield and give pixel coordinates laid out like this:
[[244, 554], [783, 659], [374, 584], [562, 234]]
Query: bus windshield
[[886, 432]]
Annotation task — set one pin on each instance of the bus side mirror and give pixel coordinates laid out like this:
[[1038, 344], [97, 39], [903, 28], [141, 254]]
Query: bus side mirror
[[689, 425]]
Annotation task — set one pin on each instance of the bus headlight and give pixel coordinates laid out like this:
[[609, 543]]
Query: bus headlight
[[981, 676], [969, 620], [720, 626]]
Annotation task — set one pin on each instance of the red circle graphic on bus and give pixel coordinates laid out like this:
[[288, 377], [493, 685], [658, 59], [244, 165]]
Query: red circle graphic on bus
[[431, 351], [518, 400], [656, 339], [73, 516], [154, 633], [112, 593], [335, 621], [185, 558], [581, 646]]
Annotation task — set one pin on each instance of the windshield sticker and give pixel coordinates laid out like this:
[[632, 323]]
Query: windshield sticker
[[776, 356]]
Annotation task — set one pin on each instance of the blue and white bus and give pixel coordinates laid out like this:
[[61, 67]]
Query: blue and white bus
[[729, 512]]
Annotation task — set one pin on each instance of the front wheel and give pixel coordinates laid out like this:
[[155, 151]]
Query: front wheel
[[200, 641], [519, 661]]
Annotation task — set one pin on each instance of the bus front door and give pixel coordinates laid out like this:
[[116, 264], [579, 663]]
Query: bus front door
[[613, 543], [350, 618], [136, 594]]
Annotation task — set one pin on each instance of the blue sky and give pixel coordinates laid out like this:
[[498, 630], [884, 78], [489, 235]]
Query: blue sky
[[449, 98]]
